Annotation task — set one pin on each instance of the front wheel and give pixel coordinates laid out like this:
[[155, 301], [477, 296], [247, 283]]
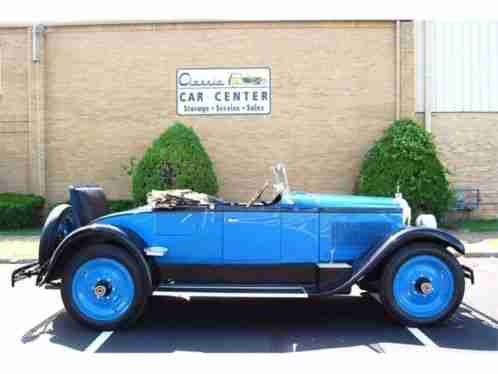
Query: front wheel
[[422, 284], [104, 288]]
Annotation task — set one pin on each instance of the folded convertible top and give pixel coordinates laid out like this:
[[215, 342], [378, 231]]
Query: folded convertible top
[[171, 199]]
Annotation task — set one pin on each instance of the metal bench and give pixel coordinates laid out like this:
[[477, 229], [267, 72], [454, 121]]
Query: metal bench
[[467, 199]]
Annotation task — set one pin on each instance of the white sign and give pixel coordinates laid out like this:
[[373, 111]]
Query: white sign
[[223, 91]]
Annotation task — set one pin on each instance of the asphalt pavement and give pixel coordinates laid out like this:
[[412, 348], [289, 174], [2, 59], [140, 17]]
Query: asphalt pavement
[[34, 320]]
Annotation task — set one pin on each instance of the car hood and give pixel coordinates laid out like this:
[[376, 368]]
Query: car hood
[[322, 200]]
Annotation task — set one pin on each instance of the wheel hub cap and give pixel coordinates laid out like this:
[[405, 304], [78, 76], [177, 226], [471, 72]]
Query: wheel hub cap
[[102, 289], [424, 287]]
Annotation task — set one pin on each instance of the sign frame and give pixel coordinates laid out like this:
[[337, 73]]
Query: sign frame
[[224, 114]]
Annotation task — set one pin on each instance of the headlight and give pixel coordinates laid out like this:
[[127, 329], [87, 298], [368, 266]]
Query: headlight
[[406, 210], [427, 220], [407, 214]]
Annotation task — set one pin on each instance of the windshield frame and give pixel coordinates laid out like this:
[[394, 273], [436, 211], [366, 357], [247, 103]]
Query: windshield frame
[[280, 180]]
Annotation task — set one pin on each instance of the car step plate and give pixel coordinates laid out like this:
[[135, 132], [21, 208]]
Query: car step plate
[[227, 291]]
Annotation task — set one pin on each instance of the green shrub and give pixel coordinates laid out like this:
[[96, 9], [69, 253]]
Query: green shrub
[[20, 210], [406, 156], [116, 206], [176, 159]]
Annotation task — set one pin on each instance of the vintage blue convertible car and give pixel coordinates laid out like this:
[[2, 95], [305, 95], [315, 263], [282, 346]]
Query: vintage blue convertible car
[[298, 245]]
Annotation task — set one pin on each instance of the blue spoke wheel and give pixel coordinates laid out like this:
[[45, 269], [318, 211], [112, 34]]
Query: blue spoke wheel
[[422, 284], [103, 287]]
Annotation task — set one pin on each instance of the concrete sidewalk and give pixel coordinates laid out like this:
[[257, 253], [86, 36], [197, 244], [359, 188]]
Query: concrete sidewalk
[[19, 249], [479, 244]]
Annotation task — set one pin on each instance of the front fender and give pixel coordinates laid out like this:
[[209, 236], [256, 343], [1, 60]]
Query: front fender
[[93, 233], [377, 254]]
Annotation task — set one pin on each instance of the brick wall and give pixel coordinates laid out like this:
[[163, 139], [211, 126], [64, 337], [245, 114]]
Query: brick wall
[[468, 144], [102, 94], [14, 143]]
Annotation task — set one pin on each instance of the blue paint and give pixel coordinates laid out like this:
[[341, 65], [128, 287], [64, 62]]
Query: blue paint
[[252, 238], [177, 223], [313, 200], [300, 237], [190, 237], [344, 237], [411, 300], [119, 284], [273, 236], [204, 245]]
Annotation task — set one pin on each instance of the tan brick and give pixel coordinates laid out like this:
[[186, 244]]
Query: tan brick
[[14, 163], [109, 90], [467, 143], [330, 82]]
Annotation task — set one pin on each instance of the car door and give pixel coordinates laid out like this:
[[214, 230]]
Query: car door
[[252, 236], [190, 236]]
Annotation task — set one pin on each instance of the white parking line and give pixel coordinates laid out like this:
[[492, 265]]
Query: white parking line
[[99, 341], [417, 333], [424, 339], [481, 315]]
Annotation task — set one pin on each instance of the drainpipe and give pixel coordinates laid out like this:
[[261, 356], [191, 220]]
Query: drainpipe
[[427, 76], [398, 69], [37, 111], [35, 31]]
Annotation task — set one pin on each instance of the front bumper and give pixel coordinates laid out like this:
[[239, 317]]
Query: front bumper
[[27, 271], [468, 273]]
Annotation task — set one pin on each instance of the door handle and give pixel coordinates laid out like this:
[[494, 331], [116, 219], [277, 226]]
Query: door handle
[[232, 220]]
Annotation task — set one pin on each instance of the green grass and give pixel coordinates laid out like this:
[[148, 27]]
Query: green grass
[[30, 231], [475, 225]]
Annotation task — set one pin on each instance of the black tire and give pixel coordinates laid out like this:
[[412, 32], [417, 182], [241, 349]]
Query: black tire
[[401, 257], [138, 276]]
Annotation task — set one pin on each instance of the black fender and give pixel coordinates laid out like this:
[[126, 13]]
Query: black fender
[[50, 235], [96, 233], [380, 252]]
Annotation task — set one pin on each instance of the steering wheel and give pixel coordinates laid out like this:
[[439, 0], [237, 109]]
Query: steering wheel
[[258, 194]]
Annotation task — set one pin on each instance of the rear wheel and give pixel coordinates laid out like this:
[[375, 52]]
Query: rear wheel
[[104, 288], [422, 284]]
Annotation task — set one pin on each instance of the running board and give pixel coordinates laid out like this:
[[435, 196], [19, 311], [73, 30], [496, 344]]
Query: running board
[[229, 291]]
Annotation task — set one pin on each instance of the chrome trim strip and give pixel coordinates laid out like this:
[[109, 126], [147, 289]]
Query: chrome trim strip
[[230, 287], [334, 265], [230, 294], [156, 251]]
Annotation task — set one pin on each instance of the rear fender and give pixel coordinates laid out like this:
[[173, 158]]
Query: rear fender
[[51, 235], [96, 233], [398, 240]]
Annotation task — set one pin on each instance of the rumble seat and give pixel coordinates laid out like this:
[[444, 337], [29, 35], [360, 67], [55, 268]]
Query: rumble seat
[[88, 202]]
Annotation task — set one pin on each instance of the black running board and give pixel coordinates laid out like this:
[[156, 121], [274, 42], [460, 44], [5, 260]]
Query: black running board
[[230, 291]]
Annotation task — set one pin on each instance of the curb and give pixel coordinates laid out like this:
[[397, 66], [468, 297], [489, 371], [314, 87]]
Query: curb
[[7, 261], [481, 255]]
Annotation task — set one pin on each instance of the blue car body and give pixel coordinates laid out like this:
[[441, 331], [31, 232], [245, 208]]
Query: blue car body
[[301, 228], [297, 245]]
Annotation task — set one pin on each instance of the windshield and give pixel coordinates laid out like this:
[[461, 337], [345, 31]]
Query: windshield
[[280, 181]]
